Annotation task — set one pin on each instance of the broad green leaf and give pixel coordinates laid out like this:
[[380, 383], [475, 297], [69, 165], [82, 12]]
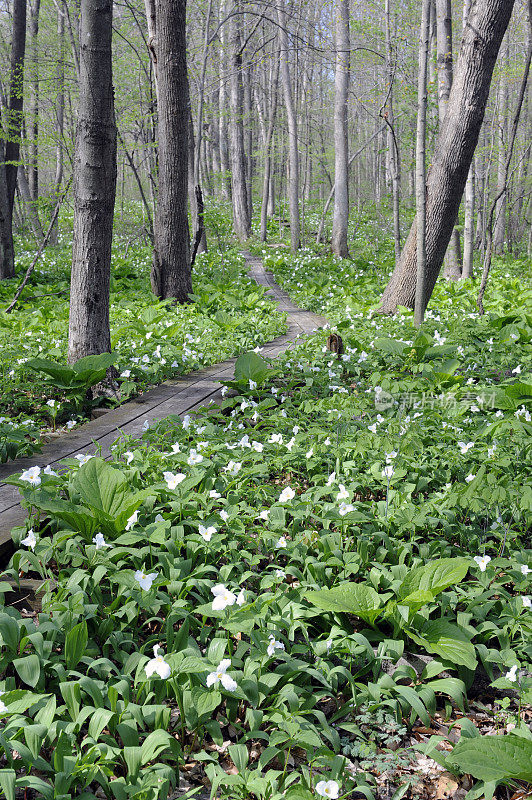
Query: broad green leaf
[[433, 577], [29, 669], [99, 720], [7, 782], [75, 644], [9, 632], [349, 598], [446, 640], [494, 758], [251, 366], [155, 743]]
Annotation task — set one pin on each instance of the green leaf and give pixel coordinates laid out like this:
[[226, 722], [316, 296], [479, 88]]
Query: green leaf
[[75, 644], [239, 755], [494, 758], [433, 577], [29, 669], [349, 598], [106, 491], [35, 736], [133, 759], [155, 743], [251, 367], [9, 631], [7, 782], [446, 640], [99, 721]]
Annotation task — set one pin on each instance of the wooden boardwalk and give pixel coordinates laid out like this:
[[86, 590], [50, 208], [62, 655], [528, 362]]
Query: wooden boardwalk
[[177, 397]]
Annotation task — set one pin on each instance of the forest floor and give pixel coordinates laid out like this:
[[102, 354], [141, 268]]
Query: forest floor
[[319, 587]]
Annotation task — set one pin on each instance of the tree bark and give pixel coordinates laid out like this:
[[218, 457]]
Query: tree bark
[[454, 150], [241, 218], [59, 117], [393, 149], [171, 269], [421, 140], [502, 140], [293, 153], [33, 126], [341, 160], [444, 44], [267, 179], [94, 186]]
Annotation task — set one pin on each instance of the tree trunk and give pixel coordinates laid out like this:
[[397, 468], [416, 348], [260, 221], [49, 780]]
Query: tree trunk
[[454, 150], [94, 186], [469, 224], [444, 44], [241, 218], [33, 126], [59, 117], [421, 188], [499, 230], [268, 178], [171, 271], [10, 145], [393, 149], [293, 153], [26, 198], [341, 166]]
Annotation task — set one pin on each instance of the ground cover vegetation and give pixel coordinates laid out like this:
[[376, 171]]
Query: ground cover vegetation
[[307, 589], [319, 587], [39, 394]]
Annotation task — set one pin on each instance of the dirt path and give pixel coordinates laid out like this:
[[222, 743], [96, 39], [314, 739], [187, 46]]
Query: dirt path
[[172, 397]]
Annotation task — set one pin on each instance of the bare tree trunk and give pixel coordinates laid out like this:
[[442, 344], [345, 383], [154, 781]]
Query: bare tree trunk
[[268, 180], [502, 102], [33, 127], [59, 116], [454, 150], [94, 186], [393, 149], [171, 270], [293, 153], [469, 198], [222, 107], [341, 160], [241, 218], [421, 187], [10, 146], [444, 39]]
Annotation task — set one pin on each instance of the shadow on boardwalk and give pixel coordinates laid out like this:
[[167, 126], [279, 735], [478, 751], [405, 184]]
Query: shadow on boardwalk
[[177, 397]]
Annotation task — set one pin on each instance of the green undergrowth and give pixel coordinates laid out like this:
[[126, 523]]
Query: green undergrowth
[[152, 341], [270, 596]]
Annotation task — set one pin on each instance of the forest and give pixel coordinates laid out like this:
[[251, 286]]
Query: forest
[[265, 399]]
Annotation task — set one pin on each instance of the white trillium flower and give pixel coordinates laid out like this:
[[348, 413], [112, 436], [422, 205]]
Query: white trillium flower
[[176, 448], [32, 476], [345, 508], [257, 446], [132, 520], [224, 515], [194, 458], [470, 478], [525, 570], [220, 676], [126, 373], [276, 438], [233, 468], [173, 479], [223, 597], [3, 707], [186, 421], [99, 541], [286, 495], [30, 540], [343, 494], [158, 665], [83, 458], [390, 456], [206, 533], [309, 453], [331, 479], [281, 542], [241, 598], [280, 573], [129, 457], [144, 580], [517, 370], [264, 514], [214, 494], [274, 645], [71, 423], [465, 447], [328, 789], [527, 602], [388, 471], [49, 471], [482, 562], [511, 675], [252, 384]]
